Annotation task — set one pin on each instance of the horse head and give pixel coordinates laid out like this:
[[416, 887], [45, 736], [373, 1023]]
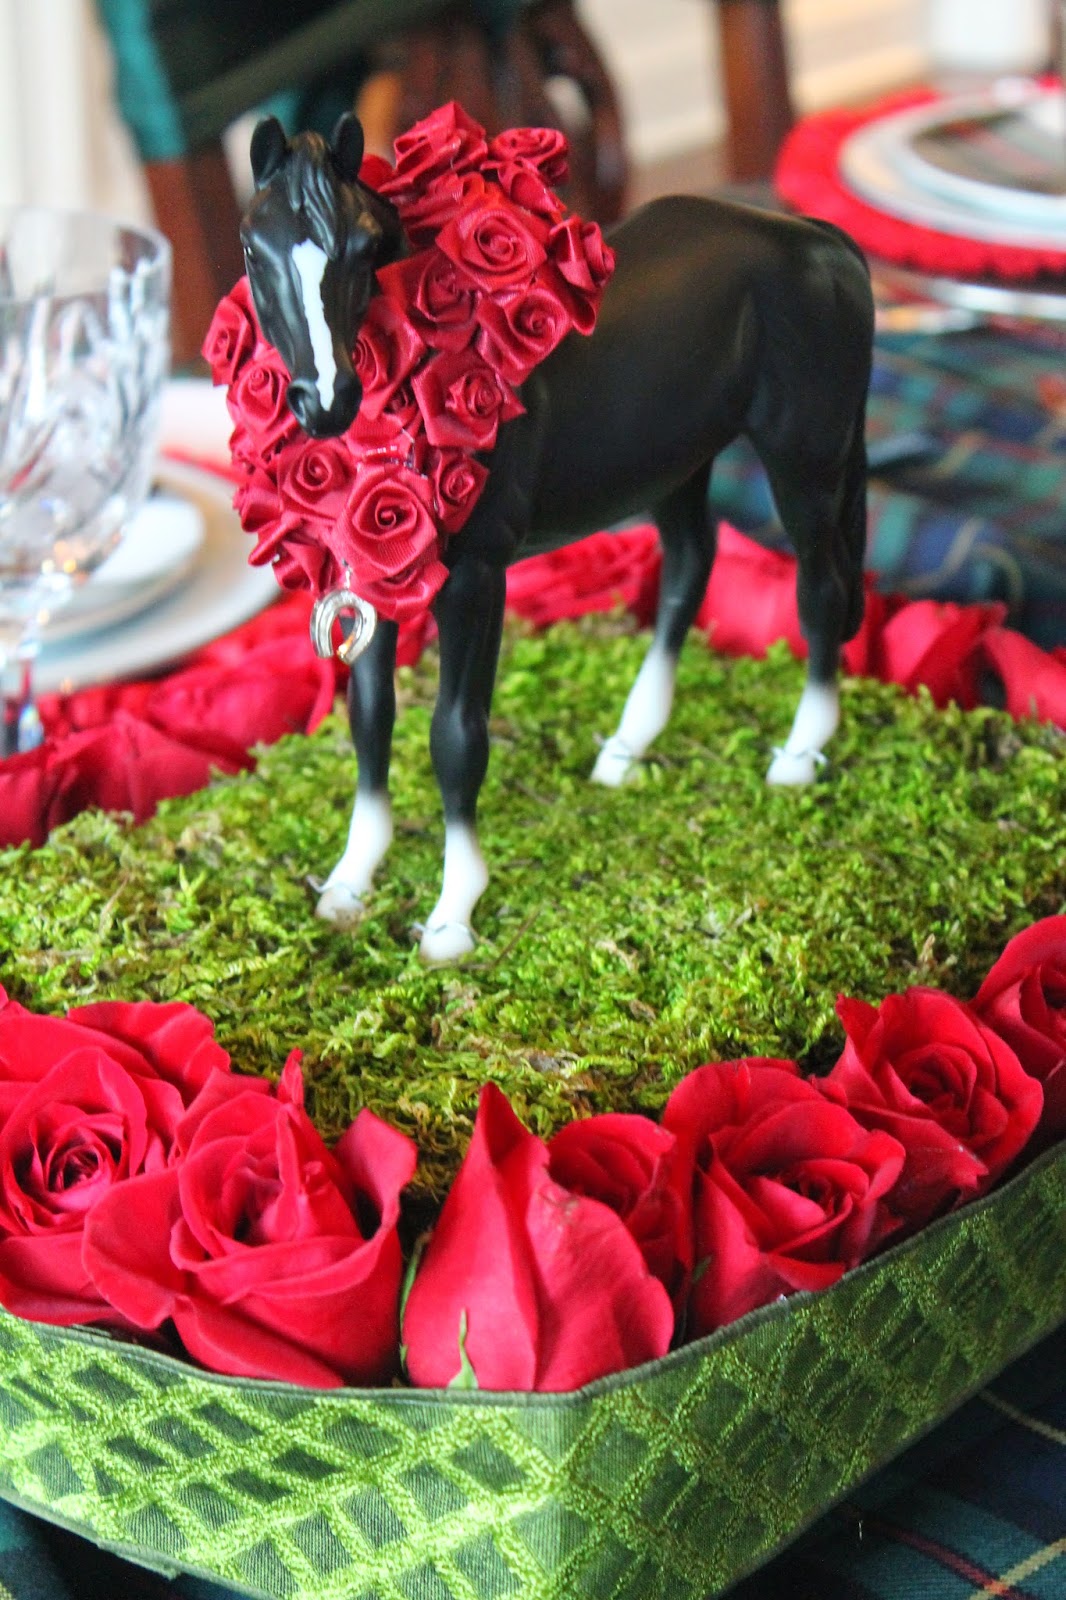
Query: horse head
[[313, 236]]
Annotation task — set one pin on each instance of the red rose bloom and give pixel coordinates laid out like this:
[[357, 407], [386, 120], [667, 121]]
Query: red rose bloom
[[438, 301], [524, 185], [463, 401], [635, 1167], [519, 330], [1034, 680], [585, 261], [613, 569], [446, 141], [529, 1284], [526, 163], [244, 702], [273, 1256], [937, 645], [232, 336], [424, 215], [790, 1191], [544, 150], [314, 477], [258, 402], [388, 536], [1024, 1000], [86, 1102], [495, 247], [282, 538], [387, 350], [923, 1067], [457, 480]]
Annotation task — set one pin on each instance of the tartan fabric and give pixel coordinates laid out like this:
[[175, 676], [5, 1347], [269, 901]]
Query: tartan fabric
[[976, 1510], [978, 514]]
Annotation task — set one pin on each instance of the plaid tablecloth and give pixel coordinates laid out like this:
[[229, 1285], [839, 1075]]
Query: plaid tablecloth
[[978, 511]]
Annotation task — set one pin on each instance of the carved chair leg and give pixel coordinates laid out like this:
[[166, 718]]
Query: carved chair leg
[[197, 209], [755, 73], [566, 50]]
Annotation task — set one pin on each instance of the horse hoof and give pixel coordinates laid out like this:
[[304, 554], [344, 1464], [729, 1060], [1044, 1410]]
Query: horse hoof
[[446, 942], [340, 905], [613, 765], [789, 770]]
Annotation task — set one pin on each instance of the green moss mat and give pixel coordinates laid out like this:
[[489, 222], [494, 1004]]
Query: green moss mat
[[626, 937]]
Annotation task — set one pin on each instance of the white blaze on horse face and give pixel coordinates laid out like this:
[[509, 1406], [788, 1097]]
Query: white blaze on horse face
[[310, 263], [647, 711]]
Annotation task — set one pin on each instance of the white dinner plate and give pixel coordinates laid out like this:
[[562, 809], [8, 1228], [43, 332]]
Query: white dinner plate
[[880, 163], [217, 591], [160, 546]]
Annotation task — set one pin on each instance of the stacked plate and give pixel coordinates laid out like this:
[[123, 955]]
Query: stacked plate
[[179, 579], [989, 166]]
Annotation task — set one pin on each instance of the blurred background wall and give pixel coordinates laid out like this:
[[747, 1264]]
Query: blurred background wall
[[60, 141]]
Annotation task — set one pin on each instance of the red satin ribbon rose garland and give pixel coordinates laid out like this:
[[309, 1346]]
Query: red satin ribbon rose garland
[[145, 1185], [499, 274]]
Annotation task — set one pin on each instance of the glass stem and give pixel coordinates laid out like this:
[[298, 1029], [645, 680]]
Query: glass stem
[[21, 728]]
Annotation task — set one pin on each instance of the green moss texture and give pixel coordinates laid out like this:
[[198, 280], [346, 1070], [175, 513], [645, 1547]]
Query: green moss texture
[[625, 937]]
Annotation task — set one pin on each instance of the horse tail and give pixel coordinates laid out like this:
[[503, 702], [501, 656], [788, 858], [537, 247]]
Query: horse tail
[[852, 525]]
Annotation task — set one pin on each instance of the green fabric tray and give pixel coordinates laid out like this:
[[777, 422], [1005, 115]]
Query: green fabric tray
[[670, 1481]]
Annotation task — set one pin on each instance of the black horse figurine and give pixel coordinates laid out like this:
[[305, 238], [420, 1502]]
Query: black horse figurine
[[720, 320]]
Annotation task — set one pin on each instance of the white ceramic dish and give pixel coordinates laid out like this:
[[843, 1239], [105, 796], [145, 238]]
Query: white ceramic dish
[[162, 543], [217, 591], [880, 163]]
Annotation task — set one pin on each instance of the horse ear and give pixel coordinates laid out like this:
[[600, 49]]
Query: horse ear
[[347, 144], [269, 149]]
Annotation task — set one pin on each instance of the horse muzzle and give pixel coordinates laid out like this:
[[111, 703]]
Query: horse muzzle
[[325, 422]]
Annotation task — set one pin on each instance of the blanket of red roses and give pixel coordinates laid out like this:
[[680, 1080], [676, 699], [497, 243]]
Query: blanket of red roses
[[499, 274], [126, 746], [146, 1187]]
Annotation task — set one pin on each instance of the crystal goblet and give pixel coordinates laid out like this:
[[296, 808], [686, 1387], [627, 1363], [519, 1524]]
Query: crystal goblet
[[84, 353]]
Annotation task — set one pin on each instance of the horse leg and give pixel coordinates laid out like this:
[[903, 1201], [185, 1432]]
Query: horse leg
[[371, 714], [826, 521], [689, 534], [469, 612]]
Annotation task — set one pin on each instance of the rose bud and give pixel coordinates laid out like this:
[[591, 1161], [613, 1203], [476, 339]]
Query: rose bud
[[273, 1256], [87, 1101], [1024, 1000], [923, 1067], [527, 1284], [789, 1190]]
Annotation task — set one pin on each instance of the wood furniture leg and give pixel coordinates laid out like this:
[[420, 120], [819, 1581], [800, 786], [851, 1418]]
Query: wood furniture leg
[[196, 197], [755, 74]]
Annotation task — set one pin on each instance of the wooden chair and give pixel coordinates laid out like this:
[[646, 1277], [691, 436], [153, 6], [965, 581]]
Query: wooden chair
[[185, 70], [754, 64]]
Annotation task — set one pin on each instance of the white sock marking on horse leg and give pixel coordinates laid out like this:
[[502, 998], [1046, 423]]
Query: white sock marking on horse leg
[[814, 724], [310, 263], [646, 713], [448, 934], [369, 836]]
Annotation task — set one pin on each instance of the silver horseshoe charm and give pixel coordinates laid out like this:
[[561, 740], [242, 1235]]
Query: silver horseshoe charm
[[327, 608]]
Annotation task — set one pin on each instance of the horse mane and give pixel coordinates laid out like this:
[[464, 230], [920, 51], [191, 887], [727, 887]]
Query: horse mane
[[311, 185], [312, 188]]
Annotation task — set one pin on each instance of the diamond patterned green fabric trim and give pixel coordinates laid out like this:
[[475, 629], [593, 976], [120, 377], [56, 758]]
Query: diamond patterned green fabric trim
[[666, 1483]]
